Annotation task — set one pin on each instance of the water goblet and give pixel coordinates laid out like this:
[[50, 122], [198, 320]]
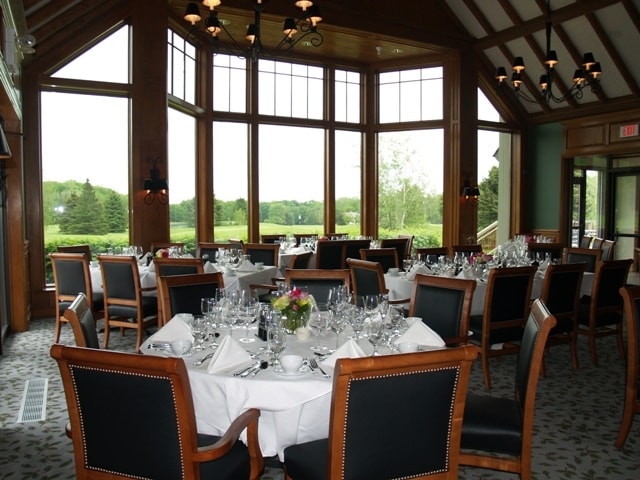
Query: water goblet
[[356, 320], [375, 334], [337, 325], [276, 342], [319, 324], [248, 312], [199, 331]]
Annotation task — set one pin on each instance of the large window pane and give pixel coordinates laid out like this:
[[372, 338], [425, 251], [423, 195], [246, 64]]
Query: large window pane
[[229, 84], [410, 181], [230, 182], [291, 185], [348, 170], [181, 66], [411, 95], [182, 177], [107, 61], [347, 96], [85, 170]]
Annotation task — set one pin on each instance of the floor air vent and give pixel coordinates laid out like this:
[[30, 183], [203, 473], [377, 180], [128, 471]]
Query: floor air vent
[[34, 401]]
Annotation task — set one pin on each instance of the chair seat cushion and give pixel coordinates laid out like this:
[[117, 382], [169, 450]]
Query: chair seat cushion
[[492, 424], [149, 307], [232, 466], [307, 461], [501, 335]]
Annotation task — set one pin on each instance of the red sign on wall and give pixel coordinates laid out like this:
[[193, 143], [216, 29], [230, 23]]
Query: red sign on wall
[[629, 130]]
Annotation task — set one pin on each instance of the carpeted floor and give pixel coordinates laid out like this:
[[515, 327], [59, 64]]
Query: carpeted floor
[[577, 413]]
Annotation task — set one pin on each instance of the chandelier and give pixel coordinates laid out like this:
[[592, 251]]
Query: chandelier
[[307, 25], [587, 75]]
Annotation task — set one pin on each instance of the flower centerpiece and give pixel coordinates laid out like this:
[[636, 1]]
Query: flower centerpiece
[[295, 307], [162, 253], [481, 258]]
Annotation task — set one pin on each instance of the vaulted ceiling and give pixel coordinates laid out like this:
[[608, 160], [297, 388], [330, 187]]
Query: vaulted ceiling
[[371, 31]]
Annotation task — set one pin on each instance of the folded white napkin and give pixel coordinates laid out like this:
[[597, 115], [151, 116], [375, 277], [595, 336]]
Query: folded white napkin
[[417, 269], [174, 329], [247, 267], [229, 356], [349, 349], [422, 335], [210, 268]]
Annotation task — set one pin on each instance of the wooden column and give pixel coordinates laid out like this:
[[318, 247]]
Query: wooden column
[[148, 223]]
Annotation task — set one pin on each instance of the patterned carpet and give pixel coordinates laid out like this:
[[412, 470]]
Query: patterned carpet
[[577, 414]]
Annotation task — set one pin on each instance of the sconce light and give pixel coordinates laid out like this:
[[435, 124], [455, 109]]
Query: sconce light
[[155, 186], [470, 194]]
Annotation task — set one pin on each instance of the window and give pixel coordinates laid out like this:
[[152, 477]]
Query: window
[[182, 176], [82, 164], [347, 173], [291, 90], [347, 95], [411, 95], [230, 181], [181, 67], [410, 181], [230, 84]]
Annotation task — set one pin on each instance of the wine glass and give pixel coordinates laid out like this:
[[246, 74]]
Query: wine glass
[[356, 320], [338, 324], [276, 342], [198, 330], [207, 309], [370, 304], [319, 323], [376, 334], [248, 312]]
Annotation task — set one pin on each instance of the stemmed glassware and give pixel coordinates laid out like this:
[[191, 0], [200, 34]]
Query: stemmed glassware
[[338, 324], [249, 311], [207, 309], [356, 320], [376, 334], [276, 342], [319, 324], [199, 331]]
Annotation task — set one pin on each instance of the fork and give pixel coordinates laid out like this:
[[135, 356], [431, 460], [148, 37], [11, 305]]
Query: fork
[[314, 364]]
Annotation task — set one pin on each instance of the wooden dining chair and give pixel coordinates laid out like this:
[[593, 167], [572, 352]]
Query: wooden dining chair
[[272, 237], [207, 250], [506, 308], [608, 247], [318, 281], [132, 416], [83, 325], [597, 242], [236, 243], [352, 249], [432, 254], [155, 246], [631, 300], [400, 244], [585, 241], [443, 304], [367, 278], [418, 438], [467, 250], [387, 257], [182, 293], [590, 256], [561, 295], [600, 314], [71, 276], [409, 239], [83, 248], [497, 432], [300, 260], [330, 254], [541, 250], [125, 305], [168, 266], [266, 253]]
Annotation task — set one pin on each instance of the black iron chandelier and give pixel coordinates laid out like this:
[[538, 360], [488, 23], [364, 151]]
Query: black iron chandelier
[[587, 75], [306, 25]]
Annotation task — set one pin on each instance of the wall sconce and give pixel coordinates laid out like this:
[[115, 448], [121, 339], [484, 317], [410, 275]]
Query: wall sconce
[[155, 186], [470, 194]]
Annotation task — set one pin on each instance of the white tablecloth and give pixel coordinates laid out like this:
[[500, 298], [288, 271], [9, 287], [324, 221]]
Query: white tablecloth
[[400, 287], [293, 409], [285, 257], [240, 281]]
